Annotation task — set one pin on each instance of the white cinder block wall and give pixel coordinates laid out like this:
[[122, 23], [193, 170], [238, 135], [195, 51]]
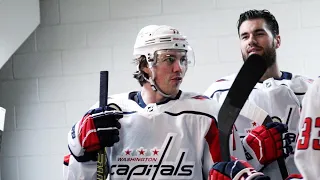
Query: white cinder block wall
[[53, 78]]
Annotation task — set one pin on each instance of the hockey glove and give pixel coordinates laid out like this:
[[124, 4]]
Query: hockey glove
[[99, 128], [235, 170], [294, 177], [268, 143]]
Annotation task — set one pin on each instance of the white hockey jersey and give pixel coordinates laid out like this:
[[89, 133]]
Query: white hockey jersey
[[175, 139], [280, 98], [307, 155]]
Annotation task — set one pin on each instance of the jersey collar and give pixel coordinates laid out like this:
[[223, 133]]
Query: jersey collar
[[136, 96], [285, 75]]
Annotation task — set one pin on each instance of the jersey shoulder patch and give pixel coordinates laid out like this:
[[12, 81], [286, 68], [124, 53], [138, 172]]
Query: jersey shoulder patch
[[192, 95], [220, 80], [191, 101], [220, 85], [201, 97], [227, 78]]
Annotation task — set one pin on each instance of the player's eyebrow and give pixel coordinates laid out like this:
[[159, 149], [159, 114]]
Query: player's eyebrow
[[259, 30], [243, 34], [255, 31]]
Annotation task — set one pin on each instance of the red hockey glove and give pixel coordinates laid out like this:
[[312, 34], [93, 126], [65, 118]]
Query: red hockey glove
[[99, 128], [294, 177], [267, 143]]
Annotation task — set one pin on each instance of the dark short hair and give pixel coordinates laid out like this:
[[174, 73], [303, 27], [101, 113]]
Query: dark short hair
[[141, 62], [257, 14]]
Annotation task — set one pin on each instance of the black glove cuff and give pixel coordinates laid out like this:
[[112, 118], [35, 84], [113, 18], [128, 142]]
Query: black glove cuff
[[88, 156]]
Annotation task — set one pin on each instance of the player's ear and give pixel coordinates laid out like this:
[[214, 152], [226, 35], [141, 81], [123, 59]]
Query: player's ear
[[147, 71], [277, 41]]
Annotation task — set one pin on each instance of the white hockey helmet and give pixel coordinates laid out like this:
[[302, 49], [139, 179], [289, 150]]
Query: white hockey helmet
[[153, 38]]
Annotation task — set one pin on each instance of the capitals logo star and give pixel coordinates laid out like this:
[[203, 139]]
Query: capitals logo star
[[155, 151], [128, 152], [141, 151], [254, 124]]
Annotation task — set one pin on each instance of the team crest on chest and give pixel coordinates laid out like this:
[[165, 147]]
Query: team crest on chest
[[153, 163]]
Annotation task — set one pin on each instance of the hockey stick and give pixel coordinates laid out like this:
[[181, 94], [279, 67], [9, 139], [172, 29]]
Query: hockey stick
[[103, 101], [2, 119], [250, 73], [254, 112]]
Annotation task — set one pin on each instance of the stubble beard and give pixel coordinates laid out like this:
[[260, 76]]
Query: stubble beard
[[269, 54]]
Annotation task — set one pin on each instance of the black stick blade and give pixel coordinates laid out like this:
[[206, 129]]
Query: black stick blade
[[248, 76], [250, 73]]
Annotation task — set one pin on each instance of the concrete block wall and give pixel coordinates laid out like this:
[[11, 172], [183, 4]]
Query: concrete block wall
[[53, 78]]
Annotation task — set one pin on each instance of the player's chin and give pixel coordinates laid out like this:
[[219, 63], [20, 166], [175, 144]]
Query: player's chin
[[176, 82], [174, 92], [174, 88]]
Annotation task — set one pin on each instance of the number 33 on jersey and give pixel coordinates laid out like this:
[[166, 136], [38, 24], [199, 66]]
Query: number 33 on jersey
[[310, 133], [307, 155]]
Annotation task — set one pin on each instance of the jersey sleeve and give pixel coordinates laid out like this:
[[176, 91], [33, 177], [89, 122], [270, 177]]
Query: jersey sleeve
[[74, 170], [307, 155], [211, 151], [79, 164], [300, 85]]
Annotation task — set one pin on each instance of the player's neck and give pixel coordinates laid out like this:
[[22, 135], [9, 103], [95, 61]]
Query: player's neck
[[150, 96], [272, 72]]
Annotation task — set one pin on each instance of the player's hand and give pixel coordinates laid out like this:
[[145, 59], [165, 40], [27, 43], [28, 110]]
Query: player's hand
[[268, 143], [99, 128], [235, 170]]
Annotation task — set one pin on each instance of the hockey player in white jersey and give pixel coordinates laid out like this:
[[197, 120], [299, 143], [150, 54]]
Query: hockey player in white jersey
[[159, 132], [307, 155], [279, 93]]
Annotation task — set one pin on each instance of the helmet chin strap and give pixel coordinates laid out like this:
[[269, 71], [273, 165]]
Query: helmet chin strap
[[157, 89], [154, 86]]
